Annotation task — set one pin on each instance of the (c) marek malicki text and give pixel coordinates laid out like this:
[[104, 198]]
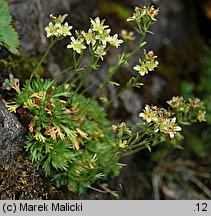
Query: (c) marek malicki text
[[54, 207]]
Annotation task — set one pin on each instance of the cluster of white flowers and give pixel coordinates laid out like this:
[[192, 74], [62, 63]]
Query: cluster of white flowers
[[120, 130], [176, 102], [57, 28], [161, 120], [76, 44], [96, 38], [147, 64], [122, 127], [194, 107], [143, 12]]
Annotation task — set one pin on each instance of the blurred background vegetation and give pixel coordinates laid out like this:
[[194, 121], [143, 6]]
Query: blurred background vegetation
[[182, 42]]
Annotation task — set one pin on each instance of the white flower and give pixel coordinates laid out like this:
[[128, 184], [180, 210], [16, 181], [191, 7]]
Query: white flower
[[97, 25], [160, 124], [64, 30], [152, 12], [127, 35], [171, 127], [104, 37], [89, 37], [176, 102], [122, 144], [52, 30], [114, 128], [134, 17], [151, 65], [60, 19], [142, 69], [196, 103], [148, 115], [201, 116], [139, 13], [148, 64], [114, 41], [76, 44], [145, 11], [100, 52]]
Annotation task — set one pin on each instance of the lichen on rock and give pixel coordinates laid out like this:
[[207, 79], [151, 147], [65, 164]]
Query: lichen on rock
[[11, 136]]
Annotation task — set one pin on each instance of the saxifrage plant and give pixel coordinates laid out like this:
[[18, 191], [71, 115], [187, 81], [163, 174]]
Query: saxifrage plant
[[69, 135]]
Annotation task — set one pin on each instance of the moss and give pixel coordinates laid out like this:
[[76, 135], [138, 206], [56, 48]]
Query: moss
[[120, 11], [22, 181], [20, 66]]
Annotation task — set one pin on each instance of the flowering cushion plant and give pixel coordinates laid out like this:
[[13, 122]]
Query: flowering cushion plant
[[69, 135]]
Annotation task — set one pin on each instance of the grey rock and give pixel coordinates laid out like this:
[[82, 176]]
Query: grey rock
[[30, 18], [171, 26], [11, 136], [133, 104], [157, 86]]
